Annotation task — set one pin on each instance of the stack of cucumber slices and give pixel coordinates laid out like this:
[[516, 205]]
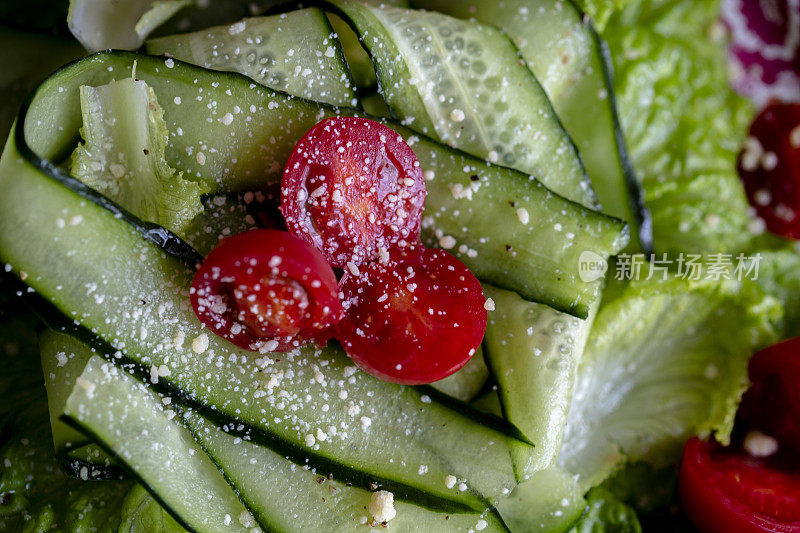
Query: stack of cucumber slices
[[125, 168]]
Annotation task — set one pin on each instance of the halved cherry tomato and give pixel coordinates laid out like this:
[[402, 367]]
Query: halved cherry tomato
[[351, 187], [415, 318], [725, 490], [772, 404], [266, 290], [769, 166]]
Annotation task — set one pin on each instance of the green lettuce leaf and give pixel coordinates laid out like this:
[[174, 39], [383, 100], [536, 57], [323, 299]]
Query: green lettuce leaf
[[779, 276], [606, 514], [665, 360], [683, 124], [123, 155], [643, 487]]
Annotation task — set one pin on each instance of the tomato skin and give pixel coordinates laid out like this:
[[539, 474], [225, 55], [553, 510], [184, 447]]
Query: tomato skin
[[266, 289], [724, 490], [415, 319], [769, 166], [351, 187], [772, 404]]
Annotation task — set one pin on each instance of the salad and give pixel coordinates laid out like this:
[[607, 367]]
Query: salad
[[514, 266]]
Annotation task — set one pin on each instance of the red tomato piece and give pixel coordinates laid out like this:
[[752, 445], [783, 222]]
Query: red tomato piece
[[351, 187], [415, 318], [725, 490], [772, 404], [266, 290], [769, 166]]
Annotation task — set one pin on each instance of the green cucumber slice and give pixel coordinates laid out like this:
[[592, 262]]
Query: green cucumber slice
[[465, 384], [533, 352], [287, 497], [357, 58], [463, 83], [571, 61], [550, 502], [139, 306], [296, 52], [466, 196], [281, 495], [133, 425], [222, 215]]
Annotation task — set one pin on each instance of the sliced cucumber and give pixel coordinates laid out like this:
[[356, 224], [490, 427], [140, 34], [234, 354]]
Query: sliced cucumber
[[465, 384], [357, 58], [533, 352], [296, 52], [287, 497], [281, 495], [570, 60], [550, 502], [131, 423], [466, 196], [63, 360], [463, 83], [132, 294], [222, 215]]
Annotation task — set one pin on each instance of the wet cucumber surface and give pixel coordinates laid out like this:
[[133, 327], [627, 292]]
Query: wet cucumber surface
[[562, 48], [464, 84], [295, 52]]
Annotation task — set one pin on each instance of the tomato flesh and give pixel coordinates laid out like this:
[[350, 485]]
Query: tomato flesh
[[415, 318], [351, 187], [769, 166], [725, 489], [266, 290], [772, 404]]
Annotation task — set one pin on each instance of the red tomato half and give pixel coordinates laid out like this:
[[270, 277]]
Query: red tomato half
[[725, 490], [772, 404], [769, 166], [351, 187], [413, 319], [266, 290]]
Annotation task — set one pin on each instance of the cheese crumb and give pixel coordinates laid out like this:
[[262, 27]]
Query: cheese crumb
[[457, 115], [381, 506], [481, 525], [794, 137], [227, 118], [758, 444], [523, 215], [246, 519], [201, 158], [86, 385], [450, 482], [200, 343], [447, 242], [310, 440], [488, 304], [169, 63]]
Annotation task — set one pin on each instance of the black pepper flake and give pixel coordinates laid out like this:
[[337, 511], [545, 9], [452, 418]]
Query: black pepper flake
[[330, 476], [320, 480], [447, 517], [475, 177], [145, 151], [512, 203], [349, 485]]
